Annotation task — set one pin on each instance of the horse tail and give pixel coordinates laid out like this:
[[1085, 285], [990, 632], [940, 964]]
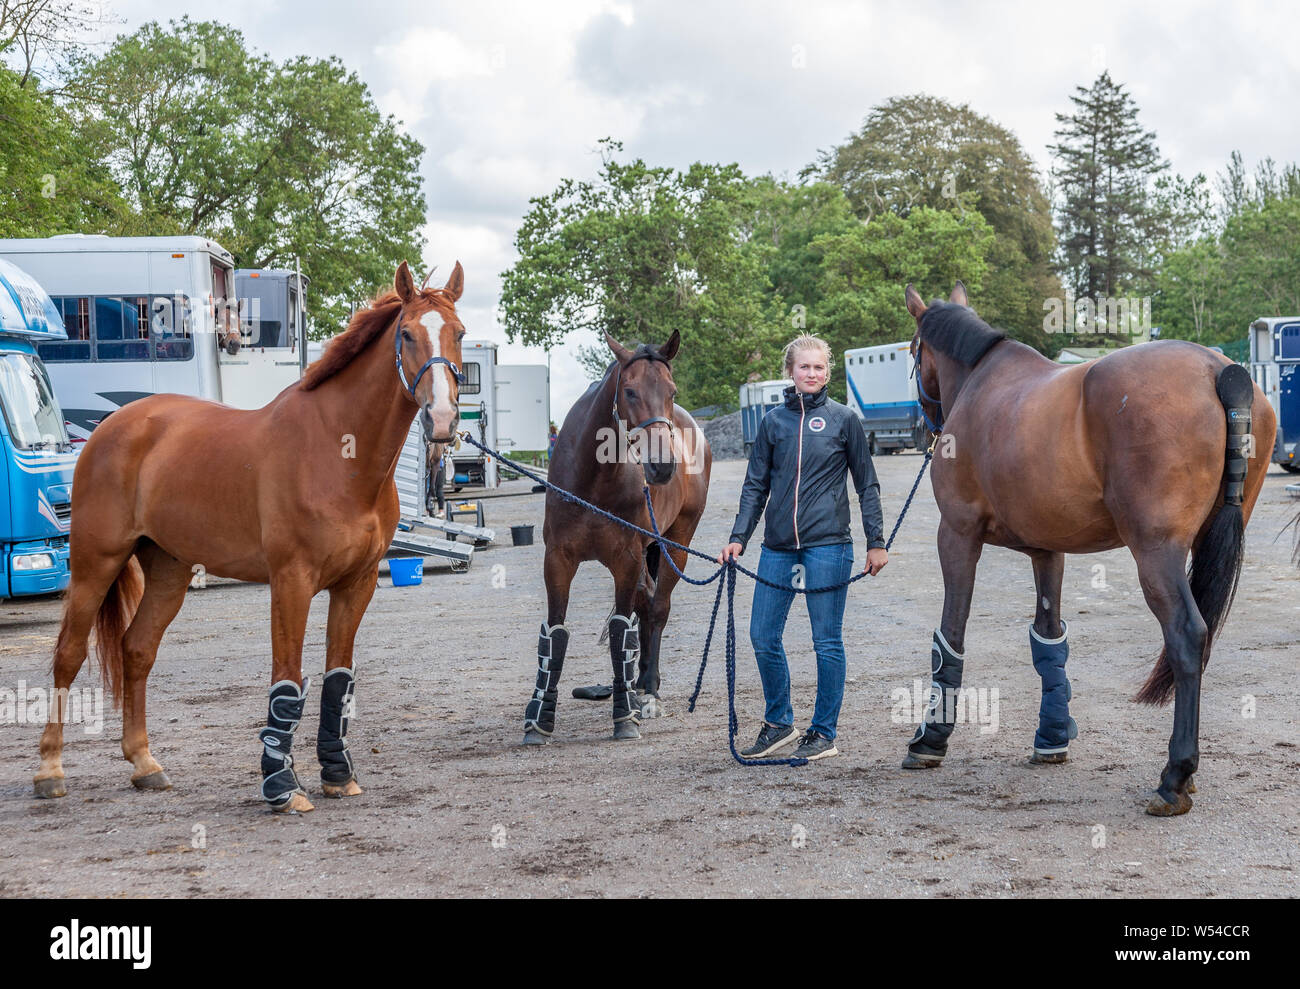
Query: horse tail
[[111, 622], [1217, 555]]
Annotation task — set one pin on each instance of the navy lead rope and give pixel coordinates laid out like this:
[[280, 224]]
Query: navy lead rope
[[731, 566]]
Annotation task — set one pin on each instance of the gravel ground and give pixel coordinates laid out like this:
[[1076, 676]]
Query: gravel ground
[[454, 806]]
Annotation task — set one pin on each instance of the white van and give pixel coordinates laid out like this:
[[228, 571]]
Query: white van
[[142, 318]]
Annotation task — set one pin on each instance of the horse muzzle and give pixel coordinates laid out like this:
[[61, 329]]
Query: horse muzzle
[[439, 425]]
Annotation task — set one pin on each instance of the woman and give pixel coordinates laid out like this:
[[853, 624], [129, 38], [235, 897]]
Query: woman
[[800, 458]]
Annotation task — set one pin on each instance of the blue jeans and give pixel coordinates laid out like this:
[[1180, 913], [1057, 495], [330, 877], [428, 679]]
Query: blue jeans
[[822, 566]]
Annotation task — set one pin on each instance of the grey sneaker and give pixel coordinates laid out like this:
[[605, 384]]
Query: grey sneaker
[[770, 738], [814, 746]]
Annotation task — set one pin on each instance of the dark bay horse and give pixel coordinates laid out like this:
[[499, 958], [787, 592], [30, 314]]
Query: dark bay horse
[[308, 504], [1160, 447], [625, 432]]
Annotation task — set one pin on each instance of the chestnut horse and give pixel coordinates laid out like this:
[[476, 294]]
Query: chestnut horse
[[308, 504], [623, 434], [1149, 447]]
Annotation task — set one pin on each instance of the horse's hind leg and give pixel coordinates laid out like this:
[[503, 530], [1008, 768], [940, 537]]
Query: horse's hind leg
[[166, 580], [1169, 596], [552, 643], [1050, 649], [91, 581], [348, 603]]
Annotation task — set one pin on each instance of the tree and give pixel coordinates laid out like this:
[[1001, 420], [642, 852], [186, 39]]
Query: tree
[[1105, 165], [638, 253], [276, 162], [915, 151]]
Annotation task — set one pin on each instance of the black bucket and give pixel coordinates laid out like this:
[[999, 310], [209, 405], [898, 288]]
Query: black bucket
[[521, 535]]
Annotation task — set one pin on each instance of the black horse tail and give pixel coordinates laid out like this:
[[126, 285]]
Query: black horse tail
[[1217, 556]]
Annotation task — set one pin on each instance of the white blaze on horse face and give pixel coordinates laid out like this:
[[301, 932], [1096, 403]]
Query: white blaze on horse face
[[444, 411]]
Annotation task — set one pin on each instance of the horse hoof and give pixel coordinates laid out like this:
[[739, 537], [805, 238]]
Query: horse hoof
[[297, 804], [348, 789], [626, 729], [651, 706], [532, 737], [154, 781], [1049, 758], [52, 787], [921, 762], [1160, 807]]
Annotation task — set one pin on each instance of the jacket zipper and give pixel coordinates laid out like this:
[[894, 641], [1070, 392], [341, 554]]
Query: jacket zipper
[[798, 472]]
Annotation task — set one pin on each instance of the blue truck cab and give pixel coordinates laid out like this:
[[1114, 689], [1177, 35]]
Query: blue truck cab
[[36, 455], [1275, 366]]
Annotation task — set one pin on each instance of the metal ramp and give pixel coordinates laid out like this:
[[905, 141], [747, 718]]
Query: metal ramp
[[408, 542], [477, 536]]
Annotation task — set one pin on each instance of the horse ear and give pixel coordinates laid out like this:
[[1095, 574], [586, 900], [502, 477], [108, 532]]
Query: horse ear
[[455, 286], [621, 352], [669, 350], [404, 283], [914, 304], [959, 294]]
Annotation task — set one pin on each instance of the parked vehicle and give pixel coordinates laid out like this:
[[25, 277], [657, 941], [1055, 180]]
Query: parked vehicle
[[36, 497], [1275, 366], [882, 391], [756, 399]]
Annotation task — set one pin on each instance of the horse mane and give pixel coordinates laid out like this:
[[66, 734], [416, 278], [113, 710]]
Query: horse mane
[[643, 351], [955, 330], [366, 324]]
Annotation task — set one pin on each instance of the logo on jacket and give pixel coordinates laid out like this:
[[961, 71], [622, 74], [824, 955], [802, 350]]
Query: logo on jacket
[[816, 424]]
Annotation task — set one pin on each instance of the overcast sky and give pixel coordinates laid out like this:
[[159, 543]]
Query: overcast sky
[[509, 97]]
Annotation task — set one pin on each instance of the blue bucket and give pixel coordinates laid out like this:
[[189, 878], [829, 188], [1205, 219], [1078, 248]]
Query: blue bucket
[[406, 572]]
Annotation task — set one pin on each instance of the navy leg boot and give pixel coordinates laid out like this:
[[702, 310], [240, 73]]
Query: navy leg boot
[[279, 781], [930, 744], [539, 716], [336, 710], [624, 651], [1055, 726]]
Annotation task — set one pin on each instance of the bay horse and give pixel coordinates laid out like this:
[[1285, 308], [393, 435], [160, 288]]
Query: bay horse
[[623, 434], [1160, 447], [308, 504]]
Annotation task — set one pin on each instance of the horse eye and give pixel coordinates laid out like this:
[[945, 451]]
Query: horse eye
[[407, 337], [460, 336]]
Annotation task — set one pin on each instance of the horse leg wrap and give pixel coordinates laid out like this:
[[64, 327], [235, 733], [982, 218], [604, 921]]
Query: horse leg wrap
[[553, 642], [1055, 726], [931, 737], [624, 651], [336, 709], [1236, 391], [279, 781]]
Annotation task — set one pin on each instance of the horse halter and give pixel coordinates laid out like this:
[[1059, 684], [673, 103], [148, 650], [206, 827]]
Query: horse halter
[[618, 383], [920, 387], [401, 372]]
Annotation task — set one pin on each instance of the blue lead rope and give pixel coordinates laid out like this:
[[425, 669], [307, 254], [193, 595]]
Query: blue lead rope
[[731, 567]]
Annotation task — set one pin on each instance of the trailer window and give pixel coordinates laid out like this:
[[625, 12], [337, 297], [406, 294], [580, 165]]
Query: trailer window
[[1289, 344], [122, 328], [33, 415], [76, 320], [472, 384], [171, 322]]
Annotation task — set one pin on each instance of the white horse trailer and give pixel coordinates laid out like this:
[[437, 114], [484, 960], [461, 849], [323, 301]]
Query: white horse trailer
[[882, 392], [142, 315]]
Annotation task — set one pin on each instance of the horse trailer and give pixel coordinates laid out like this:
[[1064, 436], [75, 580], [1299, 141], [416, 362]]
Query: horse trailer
[[757, 398], [882, 391], [143, 316], [1275, 366]]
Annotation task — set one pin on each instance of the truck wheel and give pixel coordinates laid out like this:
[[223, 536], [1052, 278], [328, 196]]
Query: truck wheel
[[1292, 468]]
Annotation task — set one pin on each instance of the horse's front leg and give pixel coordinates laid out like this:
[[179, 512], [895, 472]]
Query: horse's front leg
[[1050, 649], [959, 554], [291, 594], [625, 642], [348, 603]]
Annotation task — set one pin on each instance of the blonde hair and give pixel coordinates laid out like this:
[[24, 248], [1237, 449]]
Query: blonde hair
[[806, 342]]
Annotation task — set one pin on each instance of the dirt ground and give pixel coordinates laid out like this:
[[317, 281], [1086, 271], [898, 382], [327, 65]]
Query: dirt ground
[[453, 805]]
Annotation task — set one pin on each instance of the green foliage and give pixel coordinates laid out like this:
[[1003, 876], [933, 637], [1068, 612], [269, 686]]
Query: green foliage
[[639, 253], [1109, 226], [276, 162], [920, 151], [47, 184]]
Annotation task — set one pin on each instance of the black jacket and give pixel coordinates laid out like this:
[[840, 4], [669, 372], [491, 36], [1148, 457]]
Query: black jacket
[[803, 450]]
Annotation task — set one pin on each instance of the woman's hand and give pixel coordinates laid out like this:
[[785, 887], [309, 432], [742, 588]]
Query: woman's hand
[[876, 560], [732, 552]]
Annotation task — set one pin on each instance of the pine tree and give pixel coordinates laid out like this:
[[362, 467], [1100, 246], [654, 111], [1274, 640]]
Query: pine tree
[[1106, 218]]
